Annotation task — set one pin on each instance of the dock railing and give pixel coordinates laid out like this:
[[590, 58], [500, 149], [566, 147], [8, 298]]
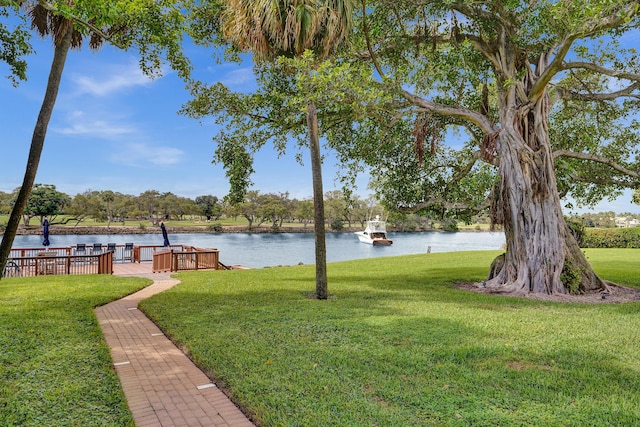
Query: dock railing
[[188, 258], [42, 263], [145, 253], [45, 261]]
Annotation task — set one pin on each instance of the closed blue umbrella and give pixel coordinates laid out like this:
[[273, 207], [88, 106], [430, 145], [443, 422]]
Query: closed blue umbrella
[[45, 233], [164, 234]]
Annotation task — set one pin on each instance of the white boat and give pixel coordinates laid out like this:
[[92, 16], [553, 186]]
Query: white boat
[[375, 233]]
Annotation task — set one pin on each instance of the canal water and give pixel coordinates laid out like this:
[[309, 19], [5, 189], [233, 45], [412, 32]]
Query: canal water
[[273, 249]]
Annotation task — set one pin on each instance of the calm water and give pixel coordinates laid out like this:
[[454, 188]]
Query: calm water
[[266, 249]]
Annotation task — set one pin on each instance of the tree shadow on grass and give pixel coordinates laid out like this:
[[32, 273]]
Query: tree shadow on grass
[[371, 358]]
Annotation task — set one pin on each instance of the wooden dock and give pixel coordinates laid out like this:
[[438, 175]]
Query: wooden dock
[[132, 268]]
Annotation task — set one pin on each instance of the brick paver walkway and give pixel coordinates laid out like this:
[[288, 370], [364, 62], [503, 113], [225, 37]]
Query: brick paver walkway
[[163, 387]]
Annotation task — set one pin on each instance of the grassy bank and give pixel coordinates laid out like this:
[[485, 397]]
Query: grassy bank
[[397, 345], [55, 368]]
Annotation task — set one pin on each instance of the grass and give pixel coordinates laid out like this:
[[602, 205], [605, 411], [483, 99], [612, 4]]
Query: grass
[[55, 368], [397, 345]]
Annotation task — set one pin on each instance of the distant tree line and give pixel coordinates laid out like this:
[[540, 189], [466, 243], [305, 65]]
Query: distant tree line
[[607, 219], [110, 206], [257, 208], [155, 206]]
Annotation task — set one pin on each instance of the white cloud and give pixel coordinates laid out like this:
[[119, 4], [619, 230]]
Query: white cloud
[[140, 154], [97, 128], [116, 79], [241, 76], [84, 124]]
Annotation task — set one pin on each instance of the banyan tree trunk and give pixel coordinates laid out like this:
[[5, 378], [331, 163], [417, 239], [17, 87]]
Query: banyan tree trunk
[[541, 256]]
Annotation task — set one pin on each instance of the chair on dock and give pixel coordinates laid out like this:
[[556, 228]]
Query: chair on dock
[[81, 249], [46, 263], [12, 269], [111, 247], [97, 249], [127, 253]]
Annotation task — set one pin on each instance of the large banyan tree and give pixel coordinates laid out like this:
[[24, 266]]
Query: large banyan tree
[[543, 96]]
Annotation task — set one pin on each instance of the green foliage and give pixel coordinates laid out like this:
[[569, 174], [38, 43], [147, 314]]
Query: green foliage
[[570, 277], [576, 227], [450, 225], [612, 238], [209, 205], [216, 226], [397, 345], [45, 201], [5, 202], [14, 46], [337, 224], [55, 368], [276, 113], [441, 67]]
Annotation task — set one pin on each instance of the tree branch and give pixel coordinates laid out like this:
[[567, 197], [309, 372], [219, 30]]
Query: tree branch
[[626, 92], [365, 30], [471, 12], [485, 204], [602, 181], [590, 28], [554, 67], [600, 69], [478, 119], [597, 159]]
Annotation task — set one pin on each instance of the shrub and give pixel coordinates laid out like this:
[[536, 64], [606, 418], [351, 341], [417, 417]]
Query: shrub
[[450, 225], [216, 226], [612, 238], [337, 224], [577, 230], [570, 277]]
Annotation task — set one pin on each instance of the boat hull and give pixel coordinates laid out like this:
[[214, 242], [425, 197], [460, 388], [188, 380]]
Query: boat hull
[[382, 242], [375, 233], [377, 241]]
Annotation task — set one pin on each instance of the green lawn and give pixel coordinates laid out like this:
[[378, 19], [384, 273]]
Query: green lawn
[[55, 368], [397, 345]]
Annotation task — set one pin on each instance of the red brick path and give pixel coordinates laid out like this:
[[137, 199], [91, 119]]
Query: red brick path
[[162, 386]]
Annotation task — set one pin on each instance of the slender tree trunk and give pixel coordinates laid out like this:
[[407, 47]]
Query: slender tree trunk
[[318, 204], [37, 143], [542, 256]]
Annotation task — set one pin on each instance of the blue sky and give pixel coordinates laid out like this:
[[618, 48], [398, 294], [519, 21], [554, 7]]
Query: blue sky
[[115, 129]]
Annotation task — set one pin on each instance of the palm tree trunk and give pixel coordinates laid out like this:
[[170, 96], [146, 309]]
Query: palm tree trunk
[[318, 204], [37, 143]]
